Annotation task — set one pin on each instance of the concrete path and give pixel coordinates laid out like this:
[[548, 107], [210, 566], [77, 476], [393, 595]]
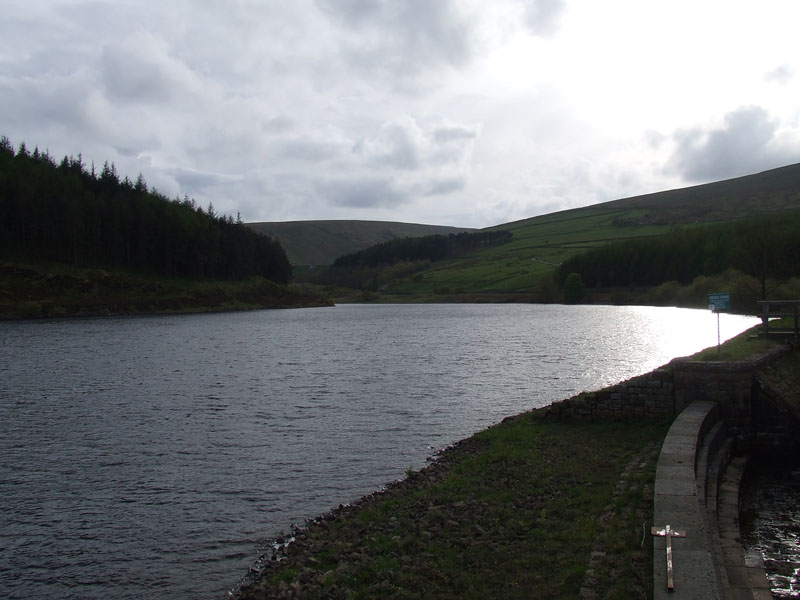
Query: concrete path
[[676, 504], [708, 561]]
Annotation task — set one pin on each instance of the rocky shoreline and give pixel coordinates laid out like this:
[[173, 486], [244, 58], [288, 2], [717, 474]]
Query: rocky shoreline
[[389, 543], [337, 528]]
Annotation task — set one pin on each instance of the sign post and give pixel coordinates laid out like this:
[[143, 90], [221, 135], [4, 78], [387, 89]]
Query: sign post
[[718, 303]]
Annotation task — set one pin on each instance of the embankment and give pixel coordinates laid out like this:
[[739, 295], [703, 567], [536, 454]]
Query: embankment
[[549, 503], [31, 291]]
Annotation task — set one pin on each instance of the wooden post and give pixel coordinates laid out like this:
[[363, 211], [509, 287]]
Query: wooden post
[[668, 533]]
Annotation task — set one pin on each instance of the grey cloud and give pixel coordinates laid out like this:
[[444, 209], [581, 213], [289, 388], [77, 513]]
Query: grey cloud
[[70, 114], [543, 16], [193, 180], [397, 145], [357, 12], [131, 79], [782, 75], [654, 139], [454, 133], [401, 42], [364, 192], [46, 100], [446, 186], [280, 124], [306, 150], [140, 69], [744, 144], [407, 145]]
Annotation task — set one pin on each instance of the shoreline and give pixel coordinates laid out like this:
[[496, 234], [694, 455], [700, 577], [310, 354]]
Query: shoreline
[[405, 522], [385, 543], [46, 291]]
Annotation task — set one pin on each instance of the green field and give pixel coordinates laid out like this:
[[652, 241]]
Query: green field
[[321, 242], [540, 244]]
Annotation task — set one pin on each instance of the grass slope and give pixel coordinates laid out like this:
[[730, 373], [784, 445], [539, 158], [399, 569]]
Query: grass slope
[[321, 242], [515, 511], [768, 191], [541, 243], [35, 290]]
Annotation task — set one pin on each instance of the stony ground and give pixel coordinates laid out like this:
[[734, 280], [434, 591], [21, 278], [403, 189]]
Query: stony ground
[[533, 510]]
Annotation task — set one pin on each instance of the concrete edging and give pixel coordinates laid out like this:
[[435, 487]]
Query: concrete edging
[[697, 492], [675, 503]]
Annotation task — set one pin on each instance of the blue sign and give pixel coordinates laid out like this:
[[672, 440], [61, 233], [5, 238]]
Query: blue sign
[[719, 302]]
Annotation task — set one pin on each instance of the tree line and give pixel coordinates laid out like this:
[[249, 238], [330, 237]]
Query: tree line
[[430, 247], [374, 267], [67, 212], [765, 247]]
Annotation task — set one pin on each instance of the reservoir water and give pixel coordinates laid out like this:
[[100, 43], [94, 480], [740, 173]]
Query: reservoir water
[[156, 456], [770, 521]]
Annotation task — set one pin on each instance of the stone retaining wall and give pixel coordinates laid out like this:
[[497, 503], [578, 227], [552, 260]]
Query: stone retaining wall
[[669, 389], [731, 385], [651, 393]]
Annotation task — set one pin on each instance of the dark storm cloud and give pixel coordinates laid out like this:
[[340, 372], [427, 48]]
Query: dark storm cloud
[[746, 143]]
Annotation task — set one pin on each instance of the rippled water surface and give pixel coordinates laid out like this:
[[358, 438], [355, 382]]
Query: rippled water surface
[[152, 456], [771, 522]]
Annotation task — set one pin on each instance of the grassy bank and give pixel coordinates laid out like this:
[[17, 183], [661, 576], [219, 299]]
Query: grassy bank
[[516, 511], [35, 290], [746, 345], [744, 292]]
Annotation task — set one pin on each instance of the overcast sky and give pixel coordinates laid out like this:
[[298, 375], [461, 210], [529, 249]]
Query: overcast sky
[[469, 113]]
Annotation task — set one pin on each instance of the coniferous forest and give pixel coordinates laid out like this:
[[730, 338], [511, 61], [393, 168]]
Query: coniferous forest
[[68, 213], [766, 248], [430, 247]]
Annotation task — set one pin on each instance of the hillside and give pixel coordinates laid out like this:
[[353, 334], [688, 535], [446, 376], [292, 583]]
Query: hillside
[[35, 290], [761, 193], [77, 242], [68, 213], [321, 242], [522, 268]]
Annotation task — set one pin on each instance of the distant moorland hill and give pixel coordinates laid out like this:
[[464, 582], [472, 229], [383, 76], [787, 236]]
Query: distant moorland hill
[[750, 195], [523, 268], [67, 218], [322, 242]]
